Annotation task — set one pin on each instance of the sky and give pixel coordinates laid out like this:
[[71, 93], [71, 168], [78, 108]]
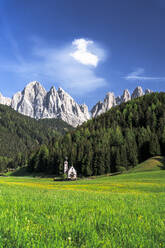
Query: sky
[[87, 47]]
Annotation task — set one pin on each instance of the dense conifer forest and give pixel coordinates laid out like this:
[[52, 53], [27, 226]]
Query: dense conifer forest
[[115, 141], [20, 135]]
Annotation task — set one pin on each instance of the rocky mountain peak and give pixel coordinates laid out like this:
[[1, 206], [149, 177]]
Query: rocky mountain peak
[[111, 101], [52, 89], [61, 91], [36, 102], [34, 88], [102, 107], [84, 109], [52, 92], [5, 100], [63, 95], [148, 91], [97, 109], [126, 96], [137, 92]]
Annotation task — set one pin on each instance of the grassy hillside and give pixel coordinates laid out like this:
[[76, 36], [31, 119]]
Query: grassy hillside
[[108, 212], [151, 164]]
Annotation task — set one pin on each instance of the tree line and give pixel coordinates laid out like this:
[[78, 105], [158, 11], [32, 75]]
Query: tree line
[[115, 141]]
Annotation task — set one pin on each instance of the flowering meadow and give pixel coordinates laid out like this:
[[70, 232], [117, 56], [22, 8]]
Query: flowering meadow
[[125, 211]]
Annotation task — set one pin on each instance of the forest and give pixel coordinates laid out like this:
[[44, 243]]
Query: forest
[[115, 141], [20, 135]]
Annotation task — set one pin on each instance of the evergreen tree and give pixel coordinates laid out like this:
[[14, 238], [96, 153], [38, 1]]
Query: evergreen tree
[[154, 147]]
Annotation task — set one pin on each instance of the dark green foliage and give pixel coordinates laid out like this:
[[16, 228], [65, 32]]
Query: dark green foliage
[[154, 147], [119, 139], [19, 135]]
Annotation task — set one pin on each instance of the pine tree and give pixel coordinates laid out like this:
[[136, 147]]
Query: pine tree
[[154, 147]]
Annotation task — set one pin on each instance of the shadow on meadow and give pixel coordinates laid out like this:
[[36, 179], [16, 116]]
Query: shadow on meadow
[[162, 162], [24, 172]]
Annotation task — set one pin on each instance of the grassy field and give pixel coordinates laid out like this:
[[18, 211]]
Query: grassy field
[[121, 211]]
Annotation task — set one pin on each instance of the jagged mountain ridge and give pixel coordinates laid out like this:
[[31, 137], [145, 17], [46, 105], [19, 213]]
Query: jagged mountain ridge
[[34, 101], [111, 101]]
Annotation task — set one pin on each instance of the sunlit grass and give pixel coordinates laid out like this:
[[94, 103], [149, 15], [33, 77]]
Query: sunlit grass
[[122, 211]]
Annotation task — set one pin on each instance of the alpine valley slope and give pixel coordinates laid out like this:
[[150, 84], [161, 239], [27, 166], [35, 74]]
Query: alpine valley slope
[[34, 101], [20, 135]]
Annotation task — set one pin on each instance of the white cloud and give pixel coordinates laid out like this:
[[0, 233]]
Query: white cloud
[[82, 54], [59, 65], [136, 75], [72, 75]]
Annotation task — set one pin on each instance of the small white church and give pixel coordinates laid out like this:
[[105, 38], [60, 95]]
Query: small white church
[[70, 172]]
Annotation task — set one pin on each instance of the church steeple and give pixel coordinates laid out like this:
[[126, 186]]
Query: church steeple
[[66, 166], [71, 173]]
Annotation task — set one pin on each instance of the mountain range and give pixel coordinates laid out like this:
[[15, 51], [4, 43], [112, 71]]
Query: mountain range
[[34, 101]]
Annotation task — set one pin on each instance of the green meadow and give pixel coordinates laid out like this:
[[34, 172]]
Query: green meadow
[[125, 211]]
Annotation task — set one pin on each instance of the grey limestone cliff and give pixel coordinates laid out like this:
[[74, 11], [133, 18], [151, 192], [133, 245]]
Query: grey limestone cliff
[[110, 100], [36, 102], [137, 92], [102, 107], [5, 100]]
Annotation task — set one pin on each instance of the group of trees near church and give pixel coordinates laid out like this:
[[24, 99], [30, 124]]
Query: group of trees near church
[[19, 135], [117, 140]]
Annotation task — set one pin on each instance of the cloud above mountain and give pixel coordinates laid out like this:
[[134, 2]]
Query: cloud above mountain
[[82, 54], [73, 66]]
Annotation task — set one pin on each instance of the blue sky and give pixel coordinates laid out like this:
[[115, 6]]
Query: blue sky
[[86, 47]]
